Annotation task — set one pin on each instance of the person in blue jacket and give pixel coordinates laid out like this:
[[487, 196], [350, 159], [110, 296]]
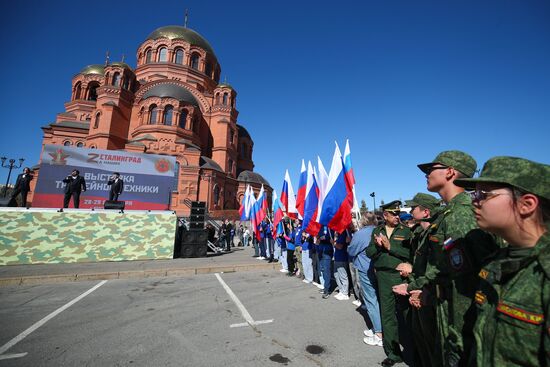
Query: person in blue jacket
[[290, 247], [325, 252]]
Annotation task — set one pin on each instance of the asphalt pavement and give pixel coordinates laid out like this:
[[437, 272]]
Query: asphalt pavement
[[243, 318], [239, 259]]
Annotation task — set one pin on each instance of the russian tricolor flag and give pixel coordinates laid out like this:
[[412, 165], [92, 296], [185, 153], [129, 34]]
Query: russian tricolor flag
[[350, 177], [278, 213], [338, 197], [257, 214], [311, 203], [301, 195], [287, 197], [244, 209]]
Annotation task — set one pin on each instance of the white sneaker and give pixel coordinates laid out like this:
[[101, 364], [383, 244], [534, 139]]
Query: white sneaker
[[317, 285], [342, 297], [261, 258], [357, 303], [306, 281], [373, 340], [368, 332], [283, 271], [337, 295]]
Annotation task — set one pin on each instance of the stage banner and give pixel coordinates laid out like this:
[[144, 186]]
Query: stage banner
[[148, 178]]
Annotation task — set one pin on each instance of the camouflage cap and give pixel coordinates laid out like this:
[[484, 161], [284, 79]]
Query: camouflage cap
[[394, 206], [460, 161], [424, 200], [522, 173]]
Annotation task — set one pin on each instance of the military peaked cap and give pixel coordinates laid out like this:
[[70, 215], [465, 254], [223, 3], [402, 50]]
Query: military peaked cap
[[394, 206]]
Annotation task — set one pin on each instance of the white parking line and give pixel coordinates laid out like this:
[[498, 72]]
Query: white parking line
[[36, 325], [246, 315]]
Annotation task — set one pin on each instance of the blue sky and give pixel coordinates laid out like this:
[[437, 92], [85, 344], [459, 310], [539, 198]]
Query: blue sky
[[403, 80]]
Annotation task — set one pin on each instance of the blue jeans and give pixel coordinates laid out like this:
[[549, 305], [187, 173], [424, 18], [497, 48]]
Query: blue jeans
[[262, 247], [325, 262], [307, 264], [341, 276], [370, 299], [245, 241]]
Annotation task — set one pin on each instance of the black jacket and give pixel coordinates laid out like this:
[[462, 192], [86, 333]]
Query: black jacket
[[74, 184], [23, 183], [116, 187]]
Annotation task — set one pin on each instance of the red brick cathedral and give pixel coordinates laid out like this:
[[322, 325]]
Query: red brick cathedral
[[172, 103]]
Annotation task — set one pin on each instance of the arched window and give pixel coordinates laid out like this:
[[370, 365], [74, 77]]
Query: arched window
[[163, 54], [96, 121], [92, 91], [153, 110], [77, 90], [79, 144], [217, 98], [231, 137], [67, 143], [148, 56], [116, 79], [126, 83], [168, 113], [208, 69], [216, 195], [195, 61], [183, 119], [225, 99], [178, 58]]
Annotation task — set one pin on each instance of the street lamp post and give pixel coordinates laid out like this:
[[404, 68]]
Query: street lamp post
[[10, 166], [373, 196]]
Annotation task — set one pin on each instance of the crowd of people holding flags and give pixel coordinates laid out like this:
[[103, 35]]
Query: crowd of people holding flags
[[466, 282]]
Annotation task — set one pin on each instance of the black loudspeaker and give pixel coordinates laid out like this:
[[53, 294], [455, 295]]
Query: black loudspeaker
[[112, 204], [194, 237], [193, 243], [193, 250], [198, 212]]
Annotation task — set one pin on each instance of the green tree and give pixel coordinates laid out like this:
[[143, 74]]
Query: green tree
[[363, 209]]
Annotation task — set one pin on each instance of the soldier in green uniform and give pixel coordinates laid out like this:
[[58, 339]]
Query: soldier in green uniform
[[387, 251], [455, 256], [421, 319], [512, 200]]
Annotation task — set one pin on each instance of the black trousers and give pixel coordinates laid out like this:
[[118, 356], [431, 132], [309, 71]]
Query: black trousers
[[76, 199], [23, 196], [228, 242], [290, 261], [113, 196]]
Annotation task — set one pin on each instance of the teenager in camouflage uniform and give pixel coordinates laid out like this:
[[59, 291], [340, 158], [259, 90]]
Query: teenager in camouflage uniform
[[512, 200], [421, 319], [455, 256], [387, 251]]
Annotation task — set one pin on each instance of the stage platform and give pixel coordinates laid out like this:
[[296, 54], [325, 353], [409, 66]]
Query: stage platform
[[43, 236]]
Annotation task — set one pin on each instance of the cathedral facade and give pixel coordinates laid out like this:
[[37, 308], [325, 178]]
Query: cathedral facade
[[173, 104]]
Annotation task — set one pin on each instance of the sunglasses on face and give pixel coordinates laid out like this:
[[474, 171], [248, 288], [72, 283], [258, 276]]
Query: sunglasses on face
[[481, 195], [433, 168]]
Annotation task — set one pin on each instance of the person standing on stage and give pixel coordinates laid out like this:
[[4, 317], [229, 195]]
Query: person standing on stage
[[22, 186], [117, 185], [75, 185]]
